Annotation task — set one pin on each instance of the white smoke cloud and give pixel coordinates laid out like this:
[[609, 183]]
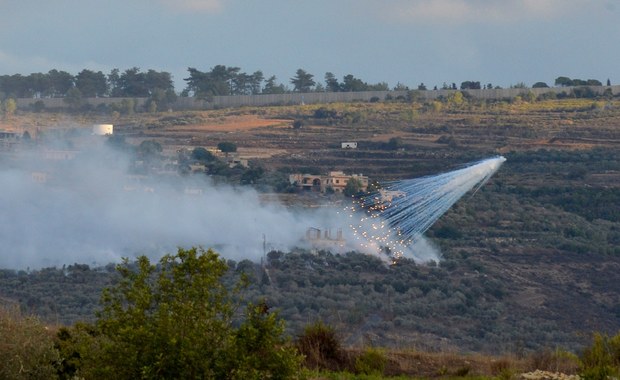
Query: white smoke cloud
[[423, 250], [89, 211]]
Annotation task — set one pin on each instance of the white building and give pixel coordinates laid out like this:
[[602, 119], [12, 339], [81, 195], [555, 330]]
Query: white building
[[103, 129]]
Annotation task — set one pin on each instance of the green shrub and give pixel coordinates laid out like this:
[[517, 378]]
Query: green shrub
[[371, 362], [601, 360], [503, 368], [554, 361], [26, 347], [260, 350], [227, 147], [321, 347], [175, 320], [81, 348]]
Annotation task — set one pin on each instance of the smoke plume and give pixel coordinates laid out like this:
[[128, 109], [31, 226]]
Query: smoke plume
[[87, 209]]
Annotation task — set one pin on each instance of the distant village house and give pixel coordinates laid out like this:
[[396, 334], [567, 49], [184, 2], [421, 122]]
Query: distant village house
[[323, 239], [335, 180]]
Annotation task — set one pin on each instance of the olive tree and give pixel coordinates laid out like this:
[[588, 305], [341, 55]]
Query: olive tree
[[202, 155], [173, 322], [176, 320], [353, 186], [9, 107], [227, 146]]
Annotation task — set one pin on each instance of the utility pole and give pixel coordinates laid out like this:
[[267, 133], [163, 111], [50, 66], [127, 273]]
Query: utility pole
[[263, 260]]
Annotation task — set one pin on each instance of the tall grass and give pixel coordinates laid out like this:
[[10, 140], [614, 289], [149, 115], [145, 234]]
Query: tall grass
[[26, 346]]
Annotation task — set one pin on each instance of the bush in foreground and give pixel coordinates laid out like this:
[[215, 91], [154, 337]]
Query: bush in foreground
[[371, 361], [601, 360], [175, 320], [321, 347], [26, 347]]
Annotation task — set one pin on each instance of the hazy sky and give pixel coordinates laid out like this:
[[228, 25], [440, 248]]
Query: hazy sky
[[503, 42]]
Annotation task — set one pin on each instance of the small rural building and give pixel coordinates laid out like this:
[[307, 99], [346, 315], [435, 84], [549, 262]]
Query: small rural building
[[323, 239], [8, 140], [8, 135], [306, 181], [336, 180], [349, 145], [103, 129]]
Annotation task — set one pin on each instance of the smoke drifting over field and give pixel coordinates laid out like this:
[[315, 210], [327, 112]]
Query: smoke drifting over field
[[87, 210], [64, 207]]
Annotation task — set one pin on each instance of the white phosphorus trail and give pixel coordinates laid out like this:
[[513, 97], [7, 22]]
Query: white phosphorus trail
[[88, 210], [394, 219]]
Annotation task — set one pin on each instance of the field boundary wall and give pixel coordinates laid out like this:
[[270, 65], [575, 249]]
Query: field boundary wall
[[191, 103]]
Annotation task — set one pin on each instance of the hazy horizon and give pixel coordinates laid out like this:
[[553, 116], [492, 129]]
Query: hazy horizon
[[429, 41]]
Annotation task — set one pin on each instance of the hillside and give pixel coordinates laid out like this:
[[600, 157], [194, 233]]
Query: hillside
[[530, 261]]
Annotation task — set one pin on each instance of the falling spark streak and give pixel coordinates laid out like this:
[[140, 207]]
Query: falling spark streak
[[408, 208]]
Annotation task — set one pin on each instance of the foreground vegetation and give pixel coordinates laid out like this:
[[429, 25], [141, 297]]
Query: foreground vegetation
[[182, 319], [175, 320]]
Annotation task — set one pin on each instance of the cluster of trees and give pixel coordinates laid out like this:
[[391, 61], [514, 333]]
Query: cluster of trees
[[470, 85], [222, 80], [148, 158], [132, 83], [349, 84], [304, 82], [219, 81], [90, 84], [568, 82], [559, 81]]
